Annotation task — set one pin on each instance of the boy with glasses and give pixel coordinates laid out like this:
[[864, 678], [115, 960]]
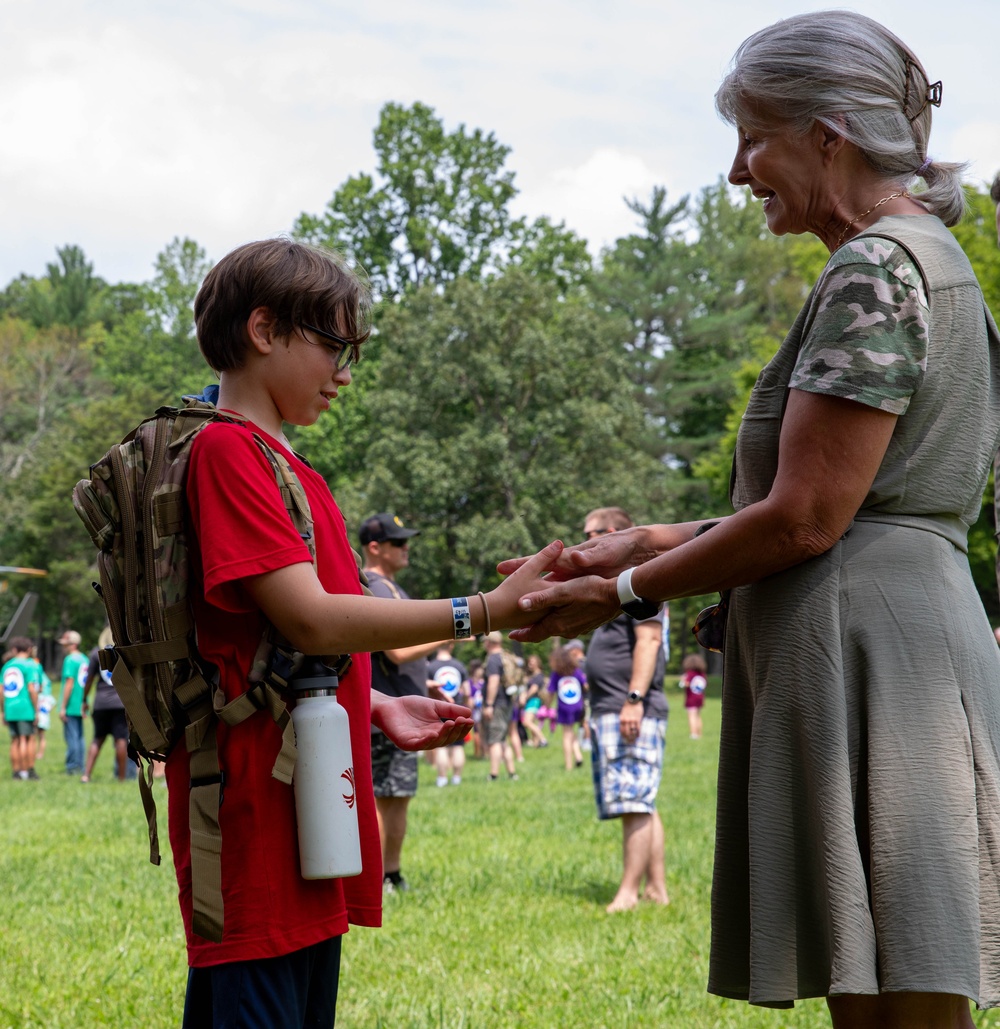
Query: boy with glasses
[[281, 323]]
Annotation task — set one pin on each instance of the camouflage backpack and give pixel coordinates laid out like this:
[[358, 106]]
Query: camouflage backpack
[[134, 508]]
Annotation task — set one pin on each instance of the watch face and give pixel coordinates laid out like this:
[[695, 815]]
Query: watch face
[[635, 698], [641, 609]]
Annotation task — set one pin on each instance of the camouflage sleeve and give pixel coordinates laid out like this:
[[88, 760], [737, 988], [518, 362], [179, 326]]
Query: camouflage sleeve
[[868, 340]]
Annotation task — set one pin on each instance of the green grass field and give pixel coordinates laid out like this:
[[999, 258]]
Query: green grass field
[[504, 925]]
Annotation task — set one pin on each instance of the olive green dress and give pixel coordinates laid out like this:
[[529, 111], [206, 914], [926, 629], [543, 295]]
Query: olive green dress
[[858, 831]]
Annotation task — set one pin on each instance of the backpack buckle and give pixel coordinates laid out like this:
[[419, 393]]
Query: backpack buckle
[[342, 665], [211, 780], [107, 657], [280, 669], [255, 694]]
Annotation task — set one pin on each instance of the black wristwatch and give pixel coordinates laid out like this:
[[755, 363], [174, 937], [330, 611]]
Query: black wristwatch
[[635, 697], [635, 607]]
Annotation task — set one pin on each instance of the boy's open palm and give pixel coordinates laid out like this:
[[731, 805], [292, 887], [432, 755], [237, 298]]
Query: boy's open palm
[[420, 723]]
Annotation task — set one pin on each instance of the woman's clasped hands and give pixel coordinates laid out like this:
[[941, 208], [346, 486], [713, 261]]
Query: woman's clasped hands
[[578, 591]]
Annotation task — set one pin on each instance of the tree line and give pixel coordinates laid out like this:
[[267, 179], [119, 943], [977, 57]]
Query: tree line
[[513, 381]]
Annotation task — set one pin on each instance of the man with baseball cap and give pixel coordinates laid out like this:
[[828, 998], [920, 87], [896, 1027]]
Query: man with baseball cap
[[382, 527], [74, 679], [397, 673]]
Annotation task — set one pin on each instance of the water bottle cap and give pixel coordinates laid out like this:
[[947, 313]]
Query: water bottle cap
[[314, 676]]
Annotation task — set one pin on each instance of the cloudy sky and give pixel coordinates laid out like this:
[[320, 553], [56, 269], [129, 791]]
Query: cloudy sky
[[129, 122]]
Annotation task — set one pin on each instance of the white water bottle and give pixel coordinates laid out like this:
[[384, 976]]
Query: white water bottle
[[325, 801]]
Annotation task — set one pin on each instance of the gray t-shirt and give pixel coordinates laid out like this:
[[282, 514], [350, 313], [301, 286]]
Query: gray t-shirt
[[503, 703], [609, 669], [449, 673], [409, 678]]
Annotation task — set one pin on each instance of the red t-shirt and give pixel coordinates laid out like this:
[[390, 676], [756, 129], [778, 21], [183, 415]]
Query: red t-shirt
[[242, 529]]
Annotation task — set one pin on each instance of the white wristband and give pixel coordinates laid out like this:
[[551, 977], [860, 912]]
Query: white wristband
[[463, 620], [625, 592]]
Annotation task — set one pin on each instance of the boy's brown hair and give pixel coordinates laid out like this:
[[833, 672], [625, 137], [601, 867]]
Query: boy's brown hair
[[296, 282], [694, 661], [995, 190]]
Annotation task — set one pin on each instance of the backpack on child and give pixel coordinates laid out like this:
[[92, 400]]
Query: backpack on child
[[134, 508]]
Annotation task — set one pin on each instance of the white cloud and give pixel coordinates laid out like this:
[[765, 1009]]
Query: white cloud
[[590, 197]]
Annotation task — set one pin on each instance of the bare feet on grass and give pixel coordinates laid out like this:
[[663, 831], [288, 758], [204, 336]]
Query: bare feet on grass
[[624, 901]]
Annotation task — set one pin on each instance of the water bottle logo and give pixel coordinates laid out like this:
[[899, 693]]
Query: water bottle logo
[[349, 776]]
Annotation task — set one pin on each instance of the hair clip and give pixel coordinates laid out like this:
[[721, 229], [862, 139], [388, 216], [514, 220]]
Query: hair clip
[[932, 94]]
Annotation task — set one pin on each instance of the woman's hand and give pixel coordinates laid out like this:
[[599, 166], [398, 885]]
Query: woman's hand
[[419, 723], [612, 553], [604, 555], [568, 608]]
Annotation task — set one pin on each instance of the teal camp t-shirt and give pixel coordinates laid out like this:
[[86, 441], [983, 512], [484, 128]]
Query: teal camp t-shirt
[[18, 674], [75, 667]]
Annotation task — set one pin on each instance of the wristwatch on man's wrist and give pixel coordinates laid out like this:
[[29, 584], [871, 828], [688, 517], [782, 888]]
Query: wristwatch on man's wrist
[[635, 697], [635, 607]]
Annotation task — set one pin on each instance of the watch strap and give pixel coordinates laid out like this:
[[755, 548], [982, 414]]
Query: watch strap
[[626, 595], [635, 607]]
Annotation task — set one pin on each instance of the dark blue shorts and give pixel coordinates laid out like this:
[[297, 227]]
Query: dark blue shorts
[[295, 991]]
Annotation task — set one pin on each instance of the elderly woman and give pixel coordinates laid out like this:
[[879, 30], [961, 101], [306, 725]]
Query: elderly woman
[[858, 834]]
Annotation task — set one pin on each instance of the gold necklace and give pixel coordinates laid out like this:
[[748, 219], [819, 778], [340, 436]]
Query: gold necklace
[[874, 207]]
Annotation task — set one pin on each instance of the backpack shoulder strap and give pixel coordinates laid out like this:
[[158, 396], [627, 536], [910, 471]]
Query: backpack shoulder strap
[[293, 494]]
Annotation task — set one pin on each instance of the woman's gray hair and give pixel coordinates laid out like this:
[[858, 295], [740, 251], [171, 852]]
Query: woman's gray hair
[[853, 75]]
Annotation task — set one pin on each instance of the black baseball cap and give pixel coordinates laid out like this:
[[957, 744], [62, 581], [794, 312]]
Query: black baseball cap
[[384, 526]]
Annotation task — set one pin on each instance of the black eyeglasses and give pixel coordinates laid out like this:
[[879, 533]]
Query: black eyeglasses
[[344, 352], [591, 533], [397, 543]]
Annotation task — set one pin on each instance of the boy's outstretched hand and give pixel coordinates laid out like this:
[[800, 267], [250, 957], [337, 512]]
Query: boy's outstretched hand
[[419, 723], [530, 575]]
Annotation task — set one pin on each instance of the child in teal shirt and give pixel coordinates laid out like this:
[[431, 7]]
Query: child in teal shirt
[[20, 698]]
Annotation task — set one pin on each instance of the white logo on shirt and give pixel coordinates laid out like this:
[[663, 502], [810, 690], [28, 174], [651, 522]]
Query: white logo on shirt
[[13, 682], [569, 690]]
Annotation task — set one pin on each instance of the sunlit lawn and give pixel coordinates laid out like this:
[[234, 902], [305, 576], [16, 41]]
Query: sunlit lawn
[[504, 925]]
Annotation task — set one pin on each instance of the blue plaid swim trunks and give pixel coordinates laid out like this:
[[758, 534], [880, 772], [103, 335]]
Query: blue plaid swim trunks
[[626, 775]]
